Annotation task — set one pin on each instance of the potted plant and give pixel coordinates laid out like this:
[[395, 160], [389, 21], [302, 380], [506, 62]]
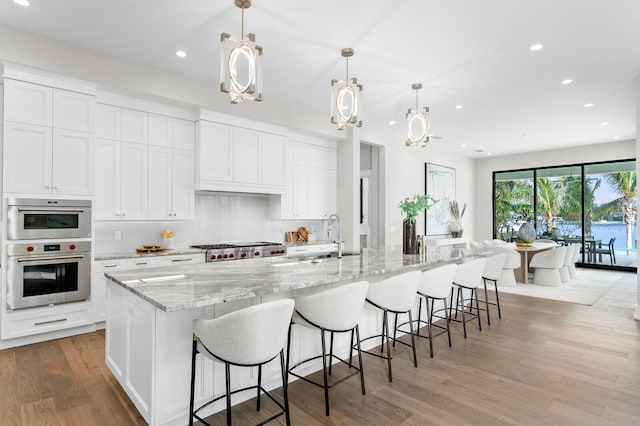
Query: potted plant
[[455, 226], [411, 207]]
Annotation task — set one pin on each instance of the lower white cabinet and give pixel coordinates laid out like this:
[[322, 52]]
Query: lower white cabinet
[[29, 322]]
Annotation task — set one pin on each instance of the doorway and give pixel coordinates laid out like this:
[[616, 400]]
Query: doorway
[[371, 196]]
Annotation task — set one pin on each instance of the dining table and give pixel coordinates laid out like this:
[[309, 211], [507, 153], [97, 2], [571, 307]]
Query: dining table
[[522, 273]]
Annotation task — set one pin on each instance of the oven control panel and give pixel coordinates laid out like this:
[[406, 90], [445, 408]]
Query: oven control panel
[[58, 247]]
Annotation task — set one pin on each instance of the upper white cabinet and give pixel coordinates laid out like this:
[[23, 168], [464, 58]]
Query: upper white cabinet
[[151, 179], [238, 159], [73, 111], [135, 126], [28, 103], [48, 140], [311, 182]]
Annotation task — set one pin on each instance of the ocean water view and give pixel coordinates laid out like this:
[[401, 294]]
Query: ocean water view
[[603, 231]]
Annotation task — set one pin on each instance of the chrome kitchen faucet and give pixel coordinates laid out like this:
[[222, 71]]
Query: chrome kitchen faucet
[[334, 216]]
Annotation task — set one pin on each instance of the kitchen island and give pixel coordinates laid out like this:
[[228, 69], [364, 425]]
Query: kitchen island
[[150, 315]]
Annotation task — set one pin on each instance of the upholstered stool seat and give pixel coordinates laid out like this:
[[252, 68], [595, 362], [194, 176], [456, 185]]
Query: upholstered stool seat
[[468, 277], [336, 310], [493, 273], [248, 337], [395, 295]]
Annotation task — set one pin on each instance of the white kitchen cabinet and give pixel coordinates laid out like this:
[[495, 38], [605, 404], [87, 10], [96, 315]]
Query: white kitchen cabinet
[[239, 159], [28, 103], [121, 181], [214, 144], [28, 322], [311, 182], [106, 205], [108, 122], [135, 126], [73, 155], [183, 134], [73, 111], [171, 184], [133, 181], [99, 285], [42, 160], [160, 130], [27, 158]]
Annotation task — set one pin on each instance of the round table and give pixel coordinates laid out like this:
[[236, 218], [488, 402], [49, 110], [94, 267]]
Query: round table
[[522, 273]]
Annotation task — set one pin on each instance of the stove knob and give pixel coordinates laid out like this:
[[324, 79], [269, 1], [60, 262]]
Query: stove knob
[[72, 246], [273, 252], [230, 255], [256, 253], [30, 248], [219, 256], [225, 256], [244, 254], [213, 257]]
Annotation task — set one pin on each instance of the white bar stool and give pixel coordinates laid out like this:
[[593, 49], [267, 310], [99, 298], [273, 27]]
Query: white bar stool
[[394, 295], [435, 284], [493, 272], [468, 277], [337, 310], [248, 337]]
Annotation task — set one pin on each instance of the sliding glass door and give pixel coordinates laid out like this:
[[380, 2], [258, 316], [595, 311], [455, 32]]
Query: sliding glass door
[[590, 204]]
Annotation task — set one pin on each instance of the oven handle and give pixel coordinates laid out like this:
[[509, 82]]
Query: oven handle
[[34, 259], [52, 209]]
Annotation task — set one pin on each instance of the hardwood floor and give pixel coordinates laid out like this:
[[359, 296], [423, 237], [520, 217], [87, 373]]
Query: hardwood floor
[[545, 362]]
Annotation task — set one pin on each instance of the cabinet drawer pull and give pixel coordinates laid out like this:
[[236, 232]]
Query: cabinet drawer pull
[[180, 260], [110, 266], [50, 322]]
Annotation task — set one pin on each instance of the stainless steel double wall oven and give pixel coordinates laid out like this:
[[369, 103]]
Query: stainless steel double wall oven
[[48, 260]]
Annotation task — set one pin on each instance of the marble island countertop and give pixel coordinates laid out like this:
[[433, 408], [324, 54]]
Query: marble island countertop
[[190, 286]]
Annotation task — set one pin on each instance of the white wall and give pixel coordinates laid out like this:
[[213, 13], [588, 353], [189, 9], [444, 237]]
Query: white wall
[[485, 167]]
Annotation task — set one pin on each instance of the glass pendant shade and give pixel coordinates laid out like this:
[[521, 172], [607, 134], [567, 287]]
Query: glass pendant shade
[[241, 64], [346, 99], [417, 123]]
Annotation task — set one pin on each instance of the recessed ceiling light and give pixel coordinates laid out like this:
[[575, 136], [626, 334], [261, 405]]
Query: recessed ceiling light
[[464, 145], [181, 54], [536, 47], [616, 137], [589, 105], [458, 106], [488, 153], [478, 150], [21, 2], [604, 123], [392, 122], [566, 81]]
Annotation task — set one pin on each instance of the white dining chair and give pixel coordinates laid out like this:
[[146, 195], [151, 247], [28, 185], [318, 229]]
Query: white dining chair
[[547, 266]]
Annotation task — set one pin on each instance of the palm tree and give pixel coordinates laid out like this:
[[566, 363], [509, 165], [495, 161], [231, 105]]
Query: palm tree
[[625, 184], [512, 198], [572, 201], [550, 195]]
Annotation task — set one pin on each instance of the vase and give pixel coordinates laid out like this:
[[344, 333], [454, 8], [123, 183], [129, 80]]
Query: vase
[[409, 241], [455, 227], [526, 233]]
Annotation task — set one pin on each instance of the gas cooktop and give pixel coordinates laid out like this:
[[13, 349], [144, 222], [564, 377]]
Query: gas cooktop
[[233, 251]]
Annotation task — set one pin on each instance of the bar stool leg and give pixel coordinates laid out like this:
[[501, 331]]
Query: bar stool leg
[[486, 300], [447, 319], [285, 390], [395, 328], [259, 384], [475, 290], [430, 318], [194, 351], [360, 360], [495, 284], [413, 340], [324, 373], [386, 322], [351, 350], [420, 312], [331, 353], [227, 377], [460, 298]]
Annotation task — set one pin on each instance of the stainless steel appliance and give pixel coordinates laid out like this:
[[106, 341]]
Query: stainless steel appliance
[[40, 274], [32, 218], [233, 251]]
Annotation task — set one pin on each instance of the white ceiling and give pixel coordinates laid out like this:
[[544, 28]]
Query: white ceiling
[[465, 52]]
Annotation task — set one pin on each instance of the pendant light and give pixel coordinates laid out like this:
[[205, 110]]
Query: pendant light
[[346, 98], [241, 64], [417, 122]]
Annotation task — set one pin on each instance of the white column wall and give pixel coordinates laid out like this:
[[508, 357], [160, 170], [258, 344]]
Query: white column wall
[[636, 314]]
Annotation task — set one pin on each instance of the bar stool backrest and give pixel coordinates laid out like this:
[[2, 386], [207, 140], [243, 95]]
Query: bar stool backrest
[[249, 336], [396, 293], [469, 274], [493, 267], [437, 282], [335, 309]]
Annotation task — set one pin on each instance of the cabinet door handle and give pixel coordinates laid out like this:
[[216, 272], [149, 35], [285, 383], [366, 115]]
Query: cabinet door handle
[[142, 263], [50, 322], [110, 266], [123, 214], [56, 187], [181, 260]]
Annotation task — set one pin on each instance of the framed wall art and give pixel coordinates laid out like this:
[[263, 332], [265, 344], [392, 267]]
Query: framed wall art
[[440, 183]]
